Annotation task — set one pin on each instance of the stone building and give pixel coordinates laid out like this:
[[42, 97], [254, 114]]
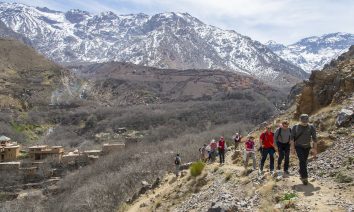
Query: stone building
[[10, 166], [108, 148], [9, 151], [54, 153]]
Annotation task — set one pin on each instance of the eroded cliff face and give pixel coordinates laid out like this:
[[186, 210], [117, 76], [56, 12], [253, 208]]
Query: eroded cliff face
[[330, 86]]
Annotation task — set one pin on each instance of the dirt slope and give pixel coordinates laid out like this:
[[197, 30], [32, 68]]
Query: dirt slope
[[227, 187]]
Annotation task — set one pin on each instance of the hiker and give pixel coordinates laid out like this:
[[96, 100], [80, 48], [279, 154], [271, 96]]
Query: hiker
[[213, 150], [237, 139], [204, 153], [267, 147], [250, 152], [301, 135], [177, 164], [221, 149], [282, 137]]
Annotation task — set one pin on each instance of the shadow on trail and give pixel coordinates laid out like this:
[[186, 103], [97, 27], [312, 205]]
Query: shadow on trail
[[308, 189]]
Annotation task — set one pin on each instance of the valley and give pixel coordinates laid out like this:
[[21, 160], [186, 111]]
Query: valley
[[94, 109]]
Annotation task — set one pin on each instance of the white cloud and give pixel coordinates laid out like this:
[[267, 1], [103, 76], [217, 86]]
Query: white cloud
[[281, 20], [284, 21]]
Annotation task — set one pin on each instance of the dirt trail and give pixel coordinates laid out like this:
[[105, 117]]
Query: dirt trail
[[318, 195]]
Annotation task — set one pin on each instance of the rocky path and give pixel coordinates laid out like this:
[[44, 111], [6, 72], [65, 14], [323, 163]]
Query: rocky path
[[228, 187]]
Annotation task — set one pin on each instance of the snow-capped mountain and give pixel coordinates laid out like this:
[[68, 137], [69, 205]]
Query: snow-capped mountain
[[166, 40], [6, 32], [314, 52]]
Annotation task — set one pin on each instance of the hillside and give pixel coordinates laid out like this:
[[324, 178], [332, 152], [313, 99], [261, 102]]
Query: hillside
[[30, 83], [314, 52], [165, 40], [230, 188], [28, 79], [117, 83]]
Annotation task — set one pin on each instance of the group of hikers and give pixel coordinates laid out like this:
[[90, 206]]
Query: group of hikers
[[284, 141]]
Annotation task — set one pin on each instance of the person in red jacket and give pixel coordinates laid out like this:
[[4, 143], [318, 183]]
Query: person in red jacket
[[267, 147], [221, 148]]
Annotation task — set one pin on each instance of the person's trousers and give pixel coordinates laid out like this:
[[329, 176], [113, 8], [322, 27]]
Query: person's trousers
[[177, 170], [253, 156], [284, 152], [303, 154], [265, 152], [222, 155], [212, 155], [236, 145]]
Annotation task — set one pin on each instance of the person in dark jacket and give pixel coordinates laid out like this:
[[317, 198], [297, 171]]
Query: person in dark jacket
[[177, 164], [302, 134]]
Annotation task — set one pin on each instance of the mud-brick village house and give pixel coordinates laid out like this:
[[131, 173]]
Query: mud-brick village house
[[108, 148], [9, 151], [42, 152]]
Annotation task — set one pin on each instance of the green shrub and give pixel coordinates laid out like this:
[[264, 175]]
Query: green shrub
[[343, 178], [196, 168], [289, 196], [23, 155]]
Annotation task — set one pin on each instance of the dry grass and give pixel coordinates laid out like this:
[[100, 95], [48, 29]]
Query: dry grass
[[228, 176], [267, 193]]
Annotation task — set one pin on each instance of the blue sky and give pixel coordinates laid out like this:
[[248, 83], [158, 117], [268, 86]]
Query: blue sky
[[284, 21]]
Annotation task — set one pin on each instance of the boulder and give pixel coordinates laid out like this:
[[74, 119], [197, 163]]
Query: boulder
[[145, 184], [344, 118], [185, 166], [145, 187], [216, 209]]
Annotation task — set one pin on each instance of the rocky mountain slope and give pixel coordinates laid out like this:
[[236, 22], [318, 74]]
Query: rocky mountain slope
[[166, 40], [30, 85], [229, 188], [27, 78], [6, 32], [313, 53], [329, 86], [117, 83]]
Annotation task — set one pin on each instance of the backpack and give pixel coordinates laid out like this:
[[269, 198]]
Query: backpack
[[178, 161], [297, 130], [280, 134]]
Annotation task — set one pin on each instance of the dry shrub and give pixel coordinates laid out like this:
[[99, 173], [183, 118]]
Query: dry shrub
[[228, 176]]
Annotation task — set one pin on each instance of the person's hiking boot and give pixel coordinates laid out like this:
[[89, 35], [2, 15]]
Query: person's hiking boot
[[260, 172], [271, 173], [304, 181], [287, 172]]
